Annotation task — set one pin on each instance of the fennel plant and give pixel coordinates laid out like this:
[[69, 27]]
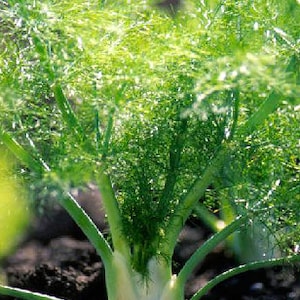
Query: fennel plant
[[169, 115]]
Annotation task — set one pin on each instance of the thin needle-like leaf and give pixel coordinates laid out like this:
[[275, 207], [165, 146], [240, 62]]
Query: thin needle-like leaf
[[208, 246], [24, 294], [244, 268]]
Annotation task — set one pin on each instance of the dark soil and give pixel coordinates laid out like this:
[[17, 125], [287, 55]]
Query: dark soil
[[56, 259]]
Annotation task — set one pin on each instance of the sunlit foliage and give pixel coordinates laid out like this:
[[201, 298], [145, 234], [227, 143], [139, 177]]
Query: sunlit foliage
[[157, 96]]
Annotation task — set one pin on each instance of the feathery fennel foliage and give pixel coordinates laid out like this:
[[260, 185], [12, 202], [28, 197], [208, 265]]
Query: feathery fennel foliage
[[162, 112]]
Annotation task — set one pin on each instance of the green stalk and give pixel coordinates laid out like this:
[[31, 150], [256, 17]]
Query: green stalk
[[108, 133], [43, 51], [24, 294], [185, 207], [113, 214], [120, 279], [63, 104], [19, 151], [123, 283], [244, 268], [175, 153], [67, 112], [271, 103], [266, 108], [208, 218], [236, 111], [207, 247], [88, 227], [97, 129]]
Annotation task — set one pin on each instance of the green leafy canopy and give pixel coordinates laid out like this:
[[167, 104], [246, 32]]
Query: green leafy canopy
[[156, 97]]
